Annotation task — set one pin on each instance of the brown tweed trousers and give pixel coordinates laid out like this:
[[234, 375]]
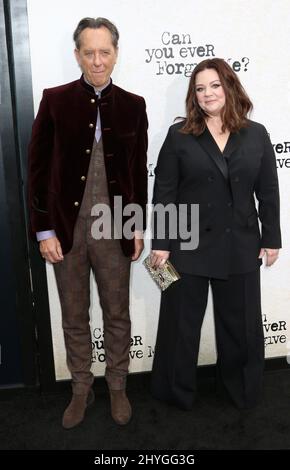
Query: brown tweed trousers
[[112, 272]]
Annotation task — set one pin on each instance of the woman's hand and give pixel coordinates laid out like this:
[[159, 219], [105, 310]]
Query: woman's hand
[[272, 255], [158, 258]]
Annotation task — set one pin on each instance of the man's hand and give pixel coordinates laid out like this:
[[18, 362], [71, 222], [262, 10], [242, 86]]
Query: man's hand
[[271, 255], [50, 250], [139, 245]]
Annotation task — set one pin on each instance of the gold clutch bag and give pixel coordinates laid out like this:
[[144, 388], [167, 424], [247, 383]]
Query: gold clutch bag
[[163, 276]]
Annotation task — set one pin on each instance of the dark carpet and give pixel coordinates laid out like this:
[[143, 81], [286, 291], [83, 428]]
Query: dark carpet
[[32, 420]]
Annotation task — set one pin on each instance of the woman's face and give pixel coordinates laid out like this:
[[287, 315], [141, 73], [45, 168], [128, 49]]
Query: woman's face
[[209, 92]]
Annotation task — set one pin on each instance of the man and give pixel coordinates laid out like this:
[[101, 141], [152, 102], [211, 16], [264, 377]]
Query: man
[[88, 145]]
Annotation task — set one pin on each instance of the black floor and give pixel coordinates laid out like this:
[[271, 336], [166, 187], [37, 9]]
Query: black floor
[[30, 420]]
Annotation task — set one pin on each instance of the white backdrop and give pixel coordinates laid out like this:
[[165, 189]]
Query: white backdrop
[[159, 46]]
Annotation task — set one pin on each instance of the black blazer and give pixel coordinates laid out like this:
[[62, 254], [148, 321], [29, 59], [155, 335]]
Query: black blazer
[[192, 170]]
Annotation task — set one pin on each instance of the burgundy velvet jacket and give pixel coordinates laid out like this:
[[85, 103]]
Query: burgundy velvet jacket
[[60, 148]]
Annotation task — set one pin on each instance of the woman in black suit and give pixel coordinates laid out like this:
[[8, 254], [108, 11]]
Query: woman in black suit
[[219, 159]]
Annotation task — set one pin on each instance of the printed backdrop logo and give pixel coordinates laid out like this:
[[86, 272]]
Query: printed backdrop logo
[[137, 350], [275, 333], [177, 55], [282, 149]]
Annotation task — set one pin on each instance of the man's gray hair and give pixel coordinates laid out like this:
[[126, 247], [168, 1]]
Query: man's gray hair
[[96, 23]]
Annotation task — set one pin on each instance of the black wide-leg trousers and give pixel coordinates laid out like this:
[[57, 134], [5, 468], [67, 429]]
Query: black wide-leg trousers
[[239, 338]]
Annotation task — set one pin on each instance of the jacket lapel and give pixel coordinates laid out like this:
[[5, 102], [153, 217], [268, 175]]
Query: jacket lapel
[[232, 145], [208, 143]]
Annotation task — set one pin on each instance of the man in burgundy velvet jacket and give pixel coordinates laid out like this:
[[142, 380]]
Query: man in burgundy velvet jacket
[[89, 143]]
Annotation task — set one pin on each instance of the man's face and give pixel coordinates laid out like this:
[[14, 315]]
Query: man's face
[[97, 55]]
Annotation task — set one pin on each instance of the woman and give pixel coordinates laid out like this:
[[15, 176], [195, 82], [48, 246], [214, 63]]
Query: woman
[[219, 159]]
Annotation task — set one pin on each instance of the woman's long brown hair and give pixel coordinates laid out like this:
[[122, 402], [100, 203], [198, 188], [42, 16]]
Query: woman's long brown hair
[[237, 105]]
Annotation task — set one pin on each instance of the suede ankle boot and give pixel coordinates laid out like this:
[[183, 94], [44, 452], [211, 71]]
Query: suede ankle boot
[[121, 410], [75, 412]]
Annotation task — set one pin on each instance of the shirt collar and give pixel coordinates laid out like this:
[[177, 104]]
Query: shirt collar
[[99, 90]]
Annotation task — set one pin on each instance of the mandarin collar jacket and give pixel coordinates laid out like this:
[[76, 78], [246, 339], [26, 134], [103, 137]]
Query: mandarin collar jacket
[[60, 148]]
